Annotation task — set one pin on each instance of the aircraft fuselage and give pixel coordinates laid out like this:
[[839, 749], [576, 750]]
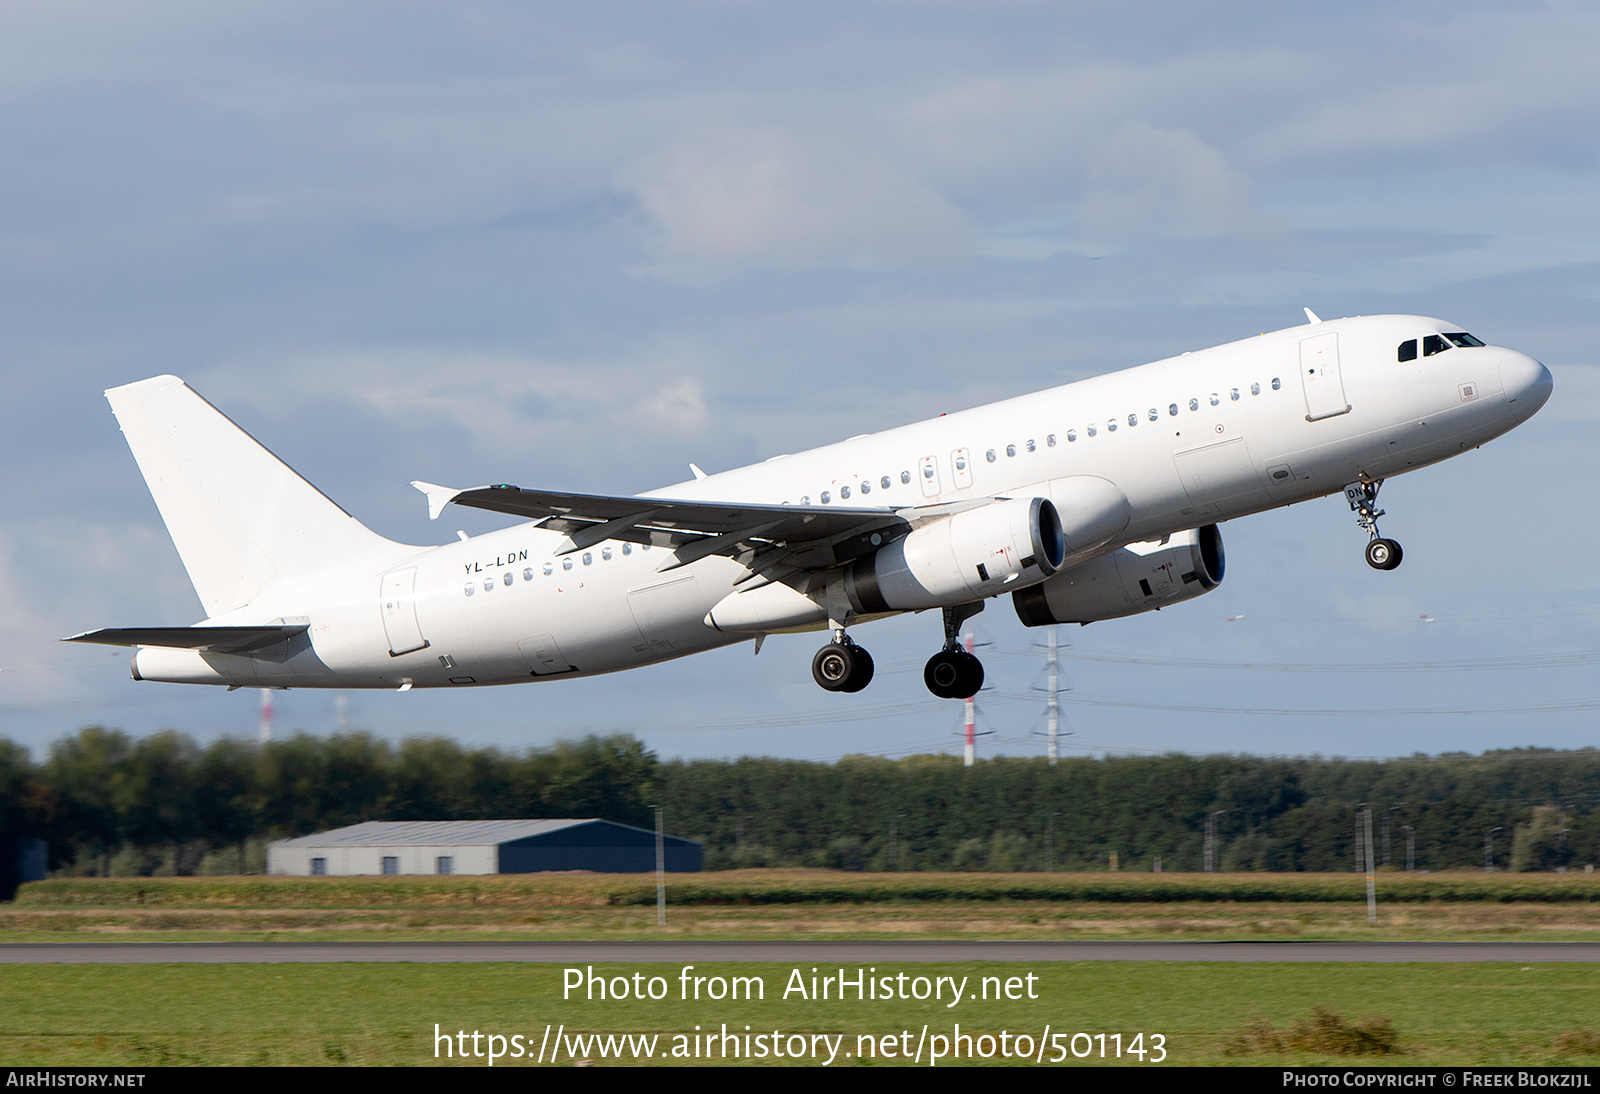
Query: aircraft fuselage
[[1193, 440]]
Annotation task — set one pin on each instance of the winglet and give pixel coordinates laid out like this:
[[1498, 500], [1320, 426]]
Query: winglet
[[1312, 317], [438, 497]]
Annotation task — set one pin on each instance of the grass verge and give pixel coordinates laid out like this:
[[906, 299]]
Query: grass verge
[[371, 1014]]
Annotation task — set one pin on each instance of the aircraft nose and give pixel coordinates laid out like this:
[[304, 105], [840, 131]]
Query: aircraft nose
[[1526, 382]]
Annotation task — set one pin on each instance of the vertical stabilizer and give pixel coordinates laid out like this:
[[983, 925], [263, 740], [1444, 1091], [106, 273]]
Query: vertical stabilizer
[[240, 517]]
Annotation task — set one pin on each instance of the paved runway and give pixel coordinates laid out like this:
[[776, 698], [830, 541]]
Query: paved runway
[[849, 953]]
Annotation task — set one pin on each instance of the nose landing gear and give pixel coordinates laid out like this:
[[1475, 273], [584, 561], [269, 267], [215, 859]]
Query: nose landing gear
[[1382, 554]]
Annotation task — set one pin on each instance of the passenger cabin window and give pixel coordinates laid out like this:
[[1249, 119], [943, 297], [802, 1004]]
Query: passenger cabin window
[[1173, 410], [884, 482], [1194, 404], [1408, 350], [1433, 344], [1011, 450], [605, 553], [588, 559], [989, 455], [1255, 389], [1133, 420], [627, 548], [1072, 435], [866, 487], [527, 574], [549, 568], [1276, 383], [1050, 441], [1030, 445], [1091, 431], [505, 578], [566, 563], [844, 492], [825, 498]]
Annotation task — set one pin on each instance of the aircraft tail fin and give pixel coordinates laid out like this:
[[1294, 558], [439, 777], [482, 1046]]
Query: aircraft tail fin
[[240, 517]]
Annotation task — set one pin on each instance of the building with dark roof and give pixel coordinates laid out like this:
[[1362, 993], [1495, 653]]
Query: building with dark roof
[[480, 847]]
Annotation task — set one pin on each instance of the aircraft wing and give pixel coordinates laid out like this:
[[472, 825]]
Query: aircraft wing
[[807, 537], [214, 639]]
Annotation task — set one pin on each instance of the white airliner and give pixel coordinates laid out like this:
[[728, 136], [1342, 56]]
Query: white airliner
[[1085, 502]]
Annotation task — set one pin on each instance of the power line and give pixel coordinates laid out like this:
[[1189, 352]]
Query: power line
[[1545, 661], [1555, 707]]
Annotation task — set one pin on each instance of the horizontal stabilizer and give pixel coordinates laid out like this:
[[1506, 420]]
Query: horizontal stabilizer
[[214, 639]]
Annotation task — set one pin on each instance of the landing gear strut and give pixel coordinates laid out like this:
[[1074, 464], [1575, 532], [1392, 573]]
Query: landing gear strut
[[953, 673], [1382, 554], [842, 665]]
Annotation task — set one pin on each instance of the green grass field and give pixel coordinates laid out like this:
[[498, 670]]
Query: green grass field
[[759, 904], [1204, 1013], [354, 1014]]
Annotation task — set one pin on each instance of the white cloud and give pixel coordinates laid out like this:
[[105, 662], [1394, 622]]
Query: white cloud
[[762, 194], [512, 406], [1149, 178]]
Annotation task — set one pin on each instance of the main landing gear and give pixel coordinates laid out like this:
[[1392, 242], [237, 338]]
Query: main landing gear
[[842, 665], [953, 673], [1382, 554]]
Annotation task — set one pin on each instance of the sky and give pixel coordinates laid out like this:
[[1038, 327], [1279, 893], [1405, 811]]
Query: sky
[[578, 246]]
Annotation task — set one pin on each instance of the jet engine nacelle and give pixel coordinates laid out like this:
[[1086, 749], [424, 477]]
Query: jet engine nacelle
[[1140, 577], [960, 558]]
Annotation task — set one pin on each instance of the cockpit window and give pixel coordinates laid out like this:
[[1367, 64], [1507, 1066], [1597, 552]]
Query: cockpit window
[[1433, 344], [1408, 350], [1462, 338]]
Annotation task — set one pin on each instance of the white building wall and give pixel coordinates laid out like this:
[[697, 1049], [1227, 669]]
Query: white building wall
[[344, 860]]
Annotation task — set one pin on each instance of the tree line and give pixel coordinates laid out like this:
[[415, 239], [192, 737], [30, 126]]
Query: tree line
[[107, 803]]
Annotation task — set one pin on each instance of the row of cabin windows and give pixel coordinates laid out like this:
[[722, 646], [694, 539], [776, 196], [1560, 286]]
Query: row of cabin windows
[[886, 482], [1435, 343], [992, 456], [509, 577]]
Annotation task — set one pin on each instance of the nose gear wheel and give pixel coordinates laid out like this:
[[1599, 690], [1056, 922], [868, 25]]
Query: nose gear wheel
[[1382, 554]]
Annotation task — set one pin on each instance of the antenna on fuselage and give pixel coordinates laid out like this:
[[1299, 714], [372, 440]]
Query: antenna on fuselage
[[1312, 317]]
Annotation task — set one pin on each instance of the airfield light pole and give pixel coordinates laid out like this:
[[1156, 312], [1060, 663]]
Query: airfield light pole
[[661, 871], [1372, 870], [1411, 847], [1488, 849], [969, 754], [1208, 853]]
